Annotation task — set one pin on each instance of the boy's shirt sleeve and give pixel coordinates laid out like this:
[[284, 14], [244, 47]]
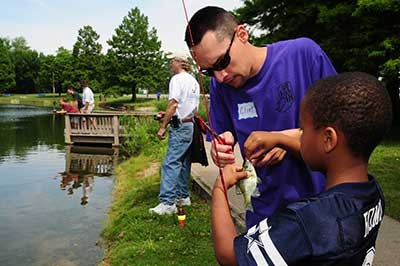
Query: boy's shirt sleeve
[[278, 240]]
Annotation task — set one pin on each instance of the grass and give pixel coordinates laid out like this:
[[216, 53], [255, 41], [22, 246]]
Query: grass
[[49, 100], [384, 164], [136, 237]]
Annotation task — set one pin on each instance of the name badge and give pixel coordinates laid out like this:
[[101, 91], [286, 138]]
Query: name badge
[[246, 110]]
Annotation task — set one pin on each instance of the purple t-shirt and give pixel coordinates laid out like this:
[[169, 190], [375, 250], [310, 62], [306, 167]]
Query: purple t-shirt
[[270, 101]]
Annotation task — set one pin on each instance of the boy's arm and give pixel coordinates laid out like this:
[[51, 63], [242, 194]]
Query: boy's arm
[[223, 228], [260, 142]]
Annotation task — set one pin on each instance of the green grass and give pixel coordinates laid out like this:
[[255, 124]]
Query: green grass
[[384, 164], [49, 100], [141, 101], [136, 237]]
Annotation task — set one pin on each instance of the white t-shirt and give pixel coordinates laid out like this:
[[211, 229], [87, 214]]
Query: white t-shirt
[[184, 88], [87, 96]]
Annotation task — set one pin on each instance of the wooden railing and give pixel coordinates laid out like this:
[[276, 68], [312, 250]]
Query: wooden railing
[[91, 160], [93, 128]]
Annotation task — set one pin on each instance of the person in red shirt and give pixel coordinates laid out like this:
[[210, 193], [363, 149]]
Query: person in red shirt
[[68, 108]]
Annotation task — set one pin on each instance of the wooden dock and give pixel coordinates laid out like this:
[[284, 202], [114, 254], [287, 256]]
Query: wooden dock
[[96, 128], [98, 161]]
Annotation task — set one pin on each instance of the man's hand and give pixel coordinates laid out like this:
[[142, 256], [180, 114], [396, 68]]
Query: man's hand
[[225, 151], [161, 133]]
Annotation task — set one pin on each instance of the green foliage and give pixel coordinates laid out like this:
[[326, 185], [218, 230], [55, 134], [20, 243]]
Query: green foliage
[[116, 91], [87, 57], [136, 237], [384, 164], [63, 69], [140, 136], [26, 62], [7, 73], [357, 35], [161, 105], [136, 53]]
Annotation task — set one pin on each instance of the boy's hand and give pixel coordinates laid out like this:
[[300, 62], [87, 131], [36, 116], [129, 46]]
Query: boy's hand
[[225, 151], [261, 148], [232, 174]]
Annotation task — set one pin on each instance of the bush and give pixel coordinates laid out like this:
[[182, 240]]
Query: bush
[[140, 135], [116, 91]]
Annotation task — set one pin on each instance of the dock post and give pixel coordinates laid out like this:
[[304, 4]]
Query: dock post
[[115, 122], [67, 132]]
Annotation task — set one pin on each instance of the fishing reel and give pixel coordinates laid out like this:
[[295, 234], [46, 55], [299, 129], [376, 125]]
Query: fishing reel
[[159, 116]]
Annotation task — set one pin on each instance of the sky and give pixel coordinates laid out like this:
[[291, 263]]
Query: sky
[[49, 24]]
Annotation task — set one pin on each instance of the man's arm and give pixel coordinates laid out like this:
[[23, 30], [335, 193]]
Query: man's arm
[[171, 108], [85, 108]]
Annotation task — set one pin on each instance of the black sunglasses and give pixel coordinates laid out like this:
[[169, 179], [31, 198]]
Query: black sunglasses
[[221, 63]]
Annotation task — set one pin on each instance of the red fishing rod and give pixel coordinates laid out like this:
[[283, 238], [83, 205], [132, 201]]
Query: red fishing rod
[[214, 136]]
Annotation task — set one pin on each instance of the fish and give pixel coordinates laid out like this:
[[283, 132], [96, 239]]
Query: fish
[[248, 186]]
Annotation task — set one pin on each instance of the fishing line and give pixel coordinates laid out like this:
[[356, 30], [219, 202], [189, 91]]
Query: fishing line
[[200, 77]]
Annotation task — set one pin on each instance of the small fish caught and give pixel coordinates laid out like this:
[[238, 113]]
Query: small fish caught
[[248, 186]]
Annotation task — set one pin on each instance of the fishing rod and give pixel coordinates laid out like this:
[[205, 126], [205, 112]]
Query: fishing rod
[[214, 137]]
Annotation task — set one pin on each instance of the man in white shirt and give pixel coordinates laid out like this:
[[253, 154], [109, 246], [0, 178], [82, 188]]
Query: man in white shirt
[[87, 99], [88, 104], [184, 94]]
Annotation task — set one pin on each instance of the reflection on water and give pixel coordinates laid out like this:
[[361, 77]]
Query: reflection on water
[[82, 164], [40, 223]]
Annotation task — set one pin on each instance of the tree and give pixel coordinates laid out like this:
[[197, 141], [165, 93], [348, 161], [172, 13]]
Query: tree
[[87, 57], [136, 53], [361, 35], [63, 70], [26, 65], [7, 74], [46, 73]]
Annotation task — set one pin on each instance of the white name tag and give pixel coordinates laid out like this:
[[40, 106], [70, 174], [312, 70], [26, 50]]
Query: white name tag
[[246, 110]]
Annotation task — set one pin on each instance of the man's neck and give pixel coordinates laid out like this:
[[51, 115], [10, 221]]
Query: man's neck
[[259, 55]]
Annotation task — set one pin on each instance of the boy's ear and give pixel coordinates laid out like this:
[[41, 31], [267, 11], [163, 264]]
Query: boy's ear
[[330, 139]]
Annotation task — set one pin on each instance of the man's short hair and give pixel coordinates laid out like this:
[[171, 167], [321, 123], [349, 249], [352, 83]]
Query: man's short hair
[[355, 103], [84, 83], [210, 18]]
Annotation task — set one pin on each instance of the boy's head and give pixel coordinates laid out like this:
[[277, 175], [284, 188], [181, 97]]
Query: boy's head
[[353, 106]]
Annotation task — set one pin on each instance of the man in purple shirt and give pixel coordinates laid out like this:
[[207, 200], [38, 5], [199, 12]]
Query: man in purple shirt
[[258, 89]]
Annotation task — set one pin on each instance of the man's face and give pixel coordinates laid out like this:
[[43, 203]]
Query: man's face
[[210, 52], [174, 66]]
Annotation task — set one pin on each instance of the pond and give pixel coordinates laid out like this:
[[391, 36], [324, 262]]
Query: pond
[[53, 198]]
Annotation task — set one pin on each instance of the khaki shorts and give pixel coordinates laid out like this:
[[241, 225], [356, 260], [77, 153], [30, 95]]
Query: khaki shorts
[[89, 110]]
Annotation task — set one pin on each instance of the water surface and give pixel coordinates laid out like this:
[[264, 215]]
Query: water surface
[[53, 199]]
